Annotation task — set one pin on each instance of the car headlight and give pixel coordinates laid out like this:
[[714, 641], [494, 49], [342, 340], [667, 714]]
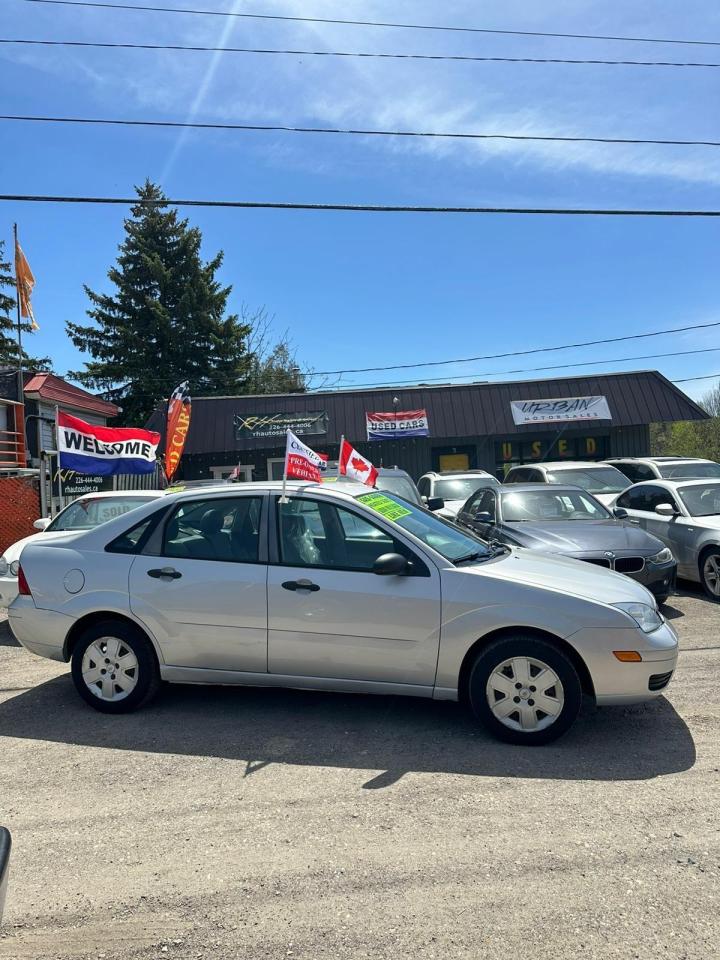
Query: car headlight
[[3, 566], [664, 556], [644, 615], [14, 567]]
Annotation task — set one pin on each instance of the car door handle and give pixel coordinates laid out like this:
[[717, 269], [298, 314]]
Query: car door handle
[[160, 573], [300, 585]]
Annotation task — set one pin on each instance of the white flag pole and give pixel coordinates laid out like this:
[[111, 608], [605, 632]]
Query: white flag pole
[[283, 498], [342, 444], [57, 444]]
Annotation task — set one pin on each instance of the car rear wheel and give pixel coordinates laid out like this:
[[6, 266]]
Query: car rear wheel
[[524, 690], [710, 573], [114, 667]]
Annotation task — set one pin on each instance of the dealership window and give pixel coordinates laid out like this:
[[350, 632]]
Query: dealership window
[[222, 473], [275, 468]]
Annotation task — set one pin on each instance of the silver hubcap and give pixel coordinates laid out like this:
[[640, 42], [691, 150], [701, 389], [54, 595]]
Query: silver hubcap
[[711, 572], [110, 669], [525, 694]]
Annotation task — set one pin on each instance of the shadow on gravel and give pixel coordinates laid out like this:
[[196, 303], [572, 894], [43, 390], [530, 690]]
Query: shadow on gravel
[[6, 637], [396, 735]]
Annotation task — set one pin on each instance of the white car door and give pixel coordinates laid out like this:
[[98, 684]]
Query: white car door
[[204, 592], [330, 616]]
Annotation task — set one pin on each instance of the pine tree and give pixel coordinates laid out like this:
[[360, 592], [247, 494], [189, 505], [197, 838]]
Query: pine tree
[[8, 323], [166, 321]]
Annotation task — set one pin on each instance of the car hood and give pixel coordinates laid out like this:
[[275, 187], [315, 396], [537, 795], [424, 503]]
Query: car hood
[[15, 549], [580, 536], [564, 575]]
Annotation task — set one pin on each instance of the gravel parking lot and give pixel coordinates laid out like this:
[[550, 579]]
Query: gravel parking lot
[[230, 823]]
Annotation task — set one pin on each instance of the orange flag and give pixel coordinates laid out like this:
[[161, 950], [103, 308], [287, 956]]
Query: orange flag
[[25, 283]]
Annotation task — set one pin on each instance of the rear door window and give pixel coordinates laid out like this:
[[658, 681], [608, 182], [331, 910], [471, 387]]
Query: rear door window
[[225, 529]]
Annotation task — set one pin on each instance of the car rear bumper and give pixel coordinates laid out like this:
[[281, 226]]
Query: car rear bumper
[[42, 632], [8, 590]]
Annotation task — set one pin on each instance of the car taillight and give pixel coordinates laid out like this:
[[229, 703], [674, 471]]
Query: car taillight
[[23, 586]]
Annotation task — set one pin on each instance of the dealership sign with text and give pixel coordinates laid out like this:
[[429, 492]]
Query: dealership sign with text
[[277, 424], [564, 410], [398, 425]]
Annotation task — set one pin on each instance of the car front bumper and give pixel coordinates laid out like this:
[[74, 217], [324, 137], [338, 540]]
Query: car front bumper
[[8, 590], [618, 683]]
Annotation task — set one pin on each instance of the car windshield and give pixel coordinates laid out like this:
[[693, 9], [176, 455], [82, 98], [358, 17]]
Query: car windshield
[[450, 541], [91, 512], [460, 488], [592, 479], [690, 471], [545, 504], [402, 486], [701, 500]]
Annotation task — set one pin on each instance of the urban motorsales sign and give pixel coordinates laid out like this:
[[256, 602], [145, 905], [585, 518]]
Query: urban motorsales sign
[[563, 410], [277, 424]]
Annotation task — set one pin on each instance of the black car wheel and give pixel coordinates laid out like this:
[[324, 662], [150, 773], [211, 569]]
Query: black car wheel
[[710, 573]]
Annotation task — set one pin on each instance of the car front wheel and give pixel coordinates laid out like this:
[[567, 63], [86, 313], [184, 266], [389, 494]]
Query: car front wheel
[[114, 667], [710, 573], [524, 690]]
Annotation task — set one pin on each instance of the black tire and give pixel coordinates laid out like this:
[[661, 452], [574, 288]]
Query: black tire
[[534, 649], [662, 599], [146, 675], [706, 555]]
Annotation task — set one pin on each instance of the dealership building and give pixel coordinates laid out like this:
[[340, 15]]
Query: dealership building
[[481, 425]]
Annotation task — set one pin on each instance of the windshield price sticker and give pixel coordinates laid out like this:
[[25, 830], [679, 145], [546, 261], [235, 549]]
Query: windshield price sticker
[[384, 506]]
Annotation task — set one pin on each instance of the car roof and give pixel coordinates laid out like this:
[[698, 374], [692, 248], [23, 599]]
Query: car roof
[[561, 464], [612, 460], [102, 494], [457, 473], [543, 488], [694, 482], [344, 487]]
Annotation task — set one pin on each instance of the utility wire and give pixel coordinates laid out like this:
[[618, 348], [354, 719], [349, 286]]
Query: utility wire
[[357, 207], [556, 366], [520, 353], [371, 23], [335, 53], [708, 376], [173, 124]]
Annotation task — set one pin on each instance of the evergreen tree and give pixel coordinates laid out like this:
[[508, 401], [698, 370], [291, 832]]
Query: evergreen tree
[[166, 321], [8, 322]]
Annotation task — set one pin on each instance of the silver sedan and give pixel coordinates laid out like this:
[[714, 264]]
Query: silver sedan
[[685, 515], [336, 587]]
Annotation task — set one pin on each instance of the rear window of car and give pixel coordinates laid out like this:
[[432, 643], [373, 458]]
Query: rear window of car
[[91, 512], [690, 471]]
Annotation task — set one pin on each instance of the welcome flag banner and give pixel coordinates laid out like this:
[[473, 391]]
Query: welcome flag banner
[[398, 425], [103, 451], [178, 424], [355, 465]]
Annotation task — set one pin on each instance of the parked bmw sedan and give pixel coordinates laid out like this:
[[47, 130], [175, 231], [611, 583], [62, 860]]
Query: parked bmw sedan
[[571, 522], [685, 515], [83, 513], [337, 588]]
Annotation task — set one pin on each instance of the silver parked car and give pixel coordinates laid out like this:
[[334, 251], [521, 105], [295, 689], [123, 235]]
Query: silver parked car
[[337, 588], [637, 469], [685, 515]]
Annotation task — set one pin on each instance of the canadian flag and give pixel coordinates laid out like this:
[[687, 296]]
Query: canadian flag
[[353, 464]]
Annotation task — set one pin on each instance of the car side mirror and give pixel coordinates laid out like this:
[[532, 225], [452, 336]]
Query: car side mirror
[[434, 503], [620, 513], [391, 565], [483, 517], [665, 510], [42, 523]]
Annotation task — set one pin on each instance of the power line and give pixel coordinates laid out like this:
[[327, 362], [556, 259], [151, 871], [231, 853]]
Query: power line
[[708, 376], [557, 366], [359, 207], [277, 128], [372, 23], [519, 353], [336, 53]]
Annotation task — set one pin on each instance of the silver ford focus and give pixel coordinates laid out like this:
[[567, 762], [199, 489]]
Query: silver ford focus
[[339, 588]]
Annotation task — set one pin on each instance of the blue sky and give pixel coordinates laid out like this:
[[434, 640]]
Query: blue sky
[[368, 289]]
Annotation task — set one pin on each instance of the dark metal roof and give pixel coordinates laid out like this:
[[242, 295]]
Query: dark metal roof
[[468, 410]]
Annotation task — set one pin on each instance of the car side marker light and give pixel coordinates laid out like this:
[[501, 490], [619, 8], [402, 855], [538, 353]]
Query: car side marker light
[[627, 656]]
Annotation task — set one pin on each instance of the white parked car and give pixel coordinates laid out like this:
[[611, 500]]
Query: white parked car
[[453, 487], [637, 469], [82, 514], [600, 479], [339, 588]]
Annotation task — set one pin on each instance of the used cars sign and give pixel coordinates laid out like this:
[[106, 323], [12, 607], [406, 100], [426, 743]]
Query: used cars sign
[[561, 410]]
